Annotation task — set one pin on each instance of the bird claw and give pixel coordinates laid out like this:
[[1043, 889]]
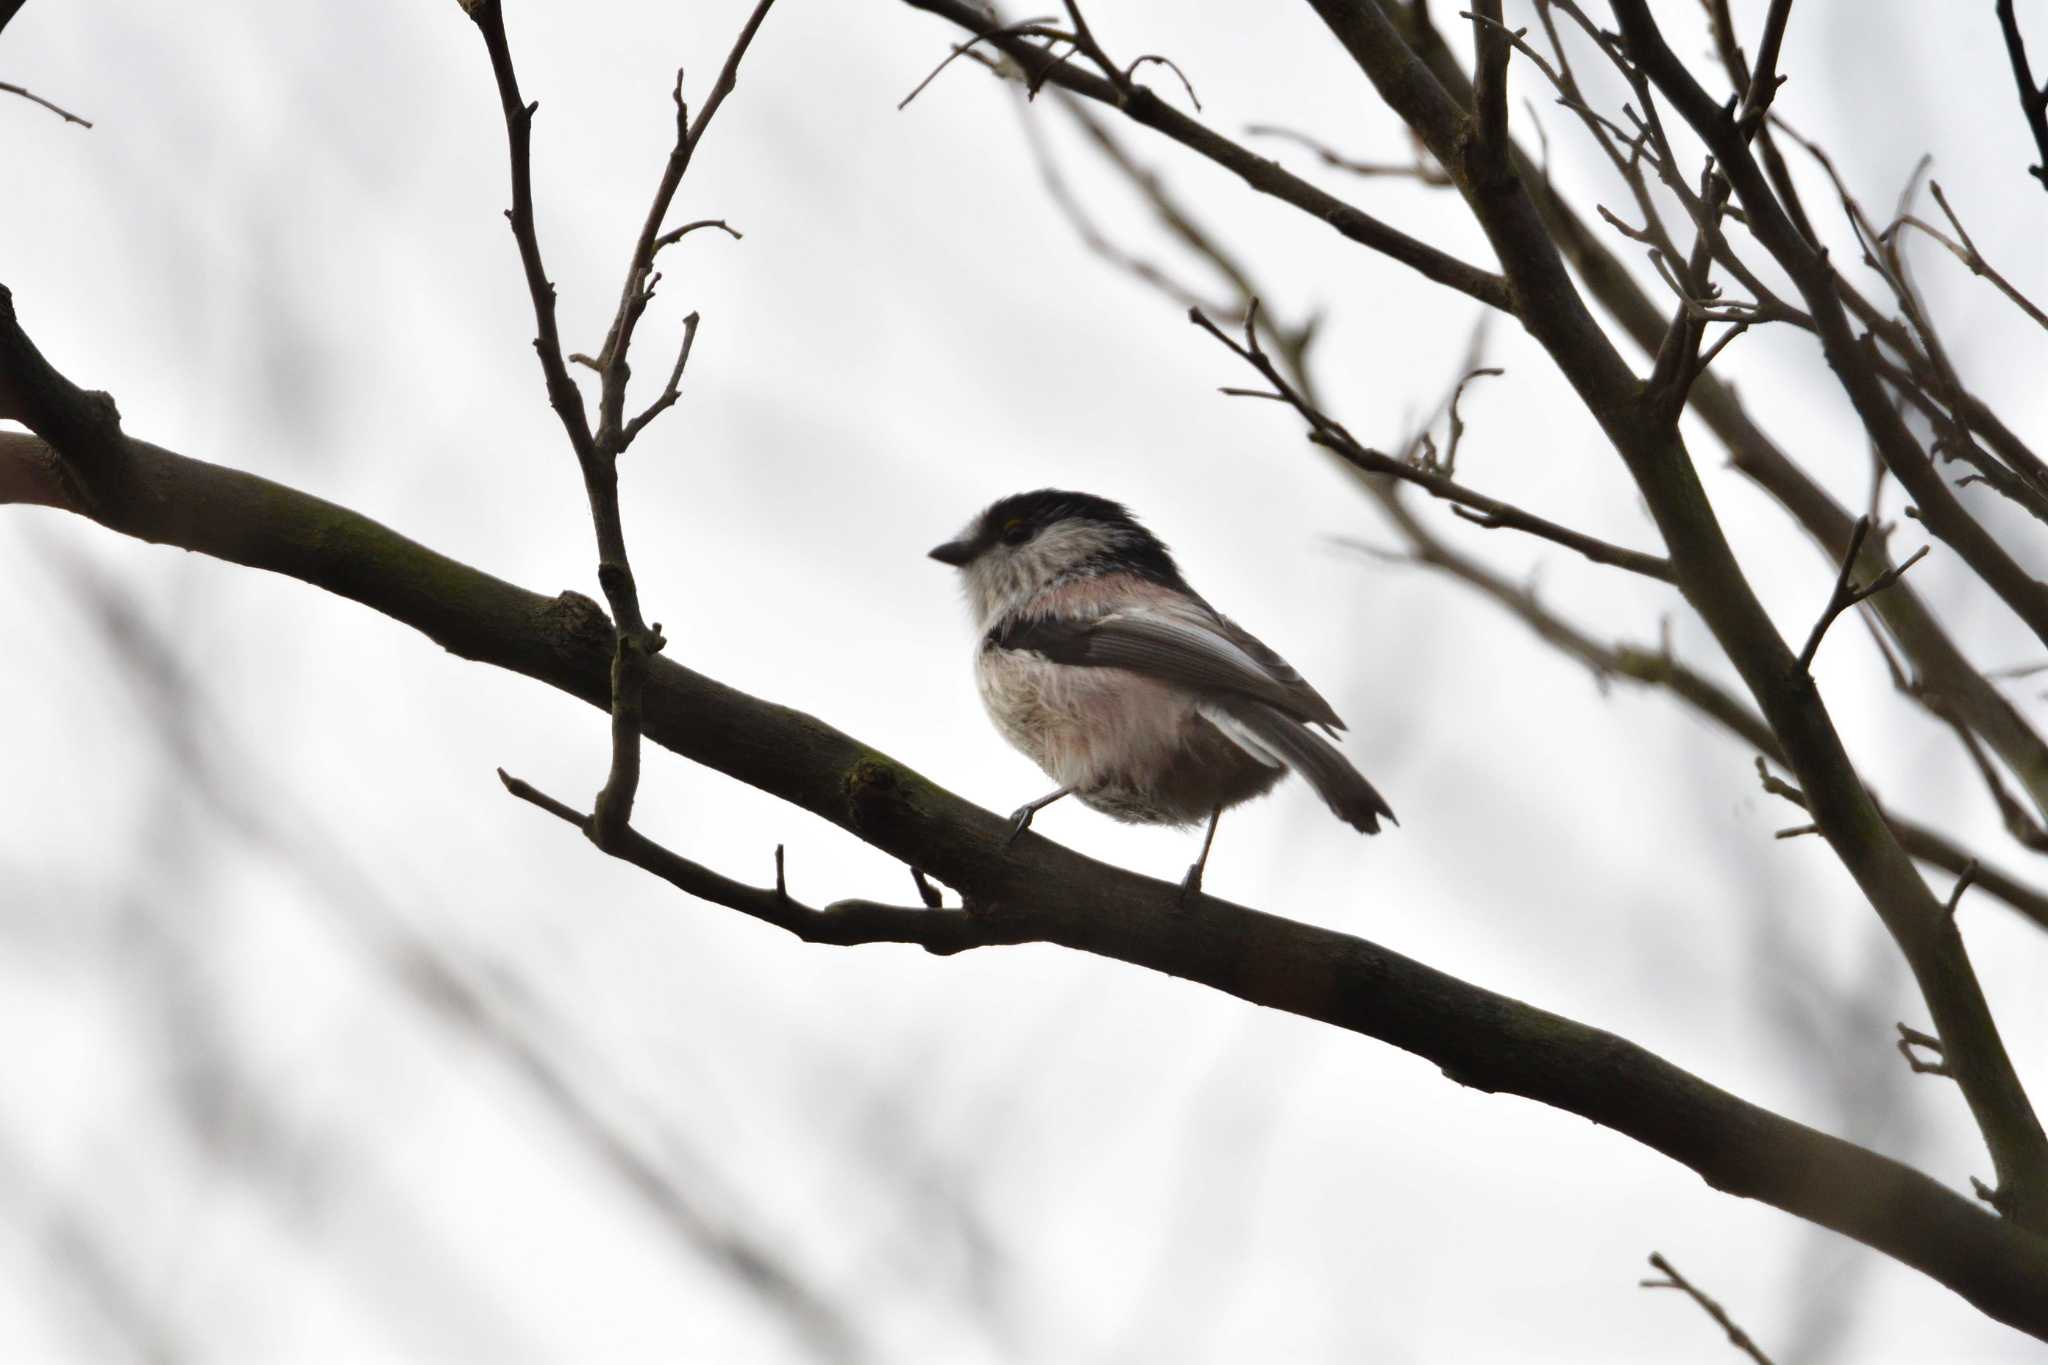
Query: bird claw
[[1190, 887], [1020, 820]]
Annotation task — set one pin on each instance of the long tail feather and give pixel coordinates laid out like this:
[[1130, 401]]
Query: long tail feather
[[1317, 761]]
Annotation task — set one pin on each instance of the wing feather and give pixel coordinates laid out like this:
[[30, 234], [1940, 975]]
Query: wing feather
[[1202, 651]]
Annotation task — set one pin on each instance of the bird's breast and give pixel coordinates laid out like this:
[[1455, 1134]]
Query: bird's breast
[[1085, 727]]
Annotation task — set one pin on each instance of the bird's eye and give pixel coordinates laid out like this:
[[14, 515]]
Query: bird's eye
[[1016, 532]]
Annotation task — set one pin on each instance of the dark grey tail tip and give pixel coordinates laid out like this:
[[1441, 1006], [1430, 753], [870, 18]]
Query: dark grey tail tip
[[1367, 821]]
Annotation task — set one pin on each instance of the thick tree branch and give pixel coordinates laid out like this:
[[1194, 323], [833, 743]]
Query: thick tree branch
[[1493, 45], [1038, 891]]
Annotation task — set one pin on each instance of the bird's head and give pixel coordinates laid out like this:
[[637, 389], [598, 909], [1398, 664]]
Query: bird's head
[[1028, 542]]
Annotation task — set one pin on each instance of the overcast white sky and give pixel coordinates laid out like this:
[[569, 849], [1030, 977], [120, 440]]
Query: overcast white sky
[[317, 1046]]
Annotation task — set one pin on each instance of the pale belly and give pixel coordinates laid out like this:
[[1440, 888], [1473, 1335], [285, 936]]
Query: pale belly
[[1128, 745]]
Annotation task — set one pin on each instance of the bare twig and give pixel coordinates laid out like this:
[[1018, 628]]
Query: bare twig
[[674, 235], [1847, 594], [1457, 423], [728, 74], [1955, 894], [1966, 251], [1154, 58], [671, 391], [1765, 80], [2033, 99], [34, 98], [1022, 28], [1737, 1338], [1422, 168], [597, 452], [563, 394], [1910, 1039], [1475, 507], [844, 923], [1261, 173]]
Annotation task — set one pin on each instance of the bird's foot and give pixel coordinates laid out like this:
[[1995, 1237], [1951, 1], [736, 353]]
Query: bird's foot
[[1020, 820], [1190, 888]]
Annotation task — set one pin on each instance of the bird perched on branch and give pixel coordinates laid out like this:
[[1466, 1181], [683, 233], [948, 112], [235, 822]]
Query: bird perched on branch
[[1102, 665]]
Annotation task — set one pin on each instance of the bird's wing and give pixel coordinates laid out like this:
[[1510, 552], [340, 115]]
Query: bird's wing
[[1308, 703], [1198, 650]]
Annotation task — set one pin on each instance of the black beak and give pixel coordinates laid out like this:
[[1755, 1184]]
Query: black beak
[[954, 552]]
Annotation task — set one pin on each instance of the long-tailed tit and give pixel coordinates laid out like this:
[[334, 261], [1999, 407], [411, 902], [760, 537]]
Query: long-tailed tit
[[1105, 668]]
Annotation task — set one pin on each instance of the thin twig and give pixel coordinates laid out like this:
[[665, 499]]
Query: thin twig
[[674, 235], [1847, 594], [1457, 423], [1966, 251], [729, 74], [843, 922], [1910, 1039], [1022, 28], [1476, 507], [1673, 1280], [563, 395], [2033, 99], [1141, 106], [1765, 80], [1171, 65], [671, 391], [1422, 169], [1955, 895], [59, 110]]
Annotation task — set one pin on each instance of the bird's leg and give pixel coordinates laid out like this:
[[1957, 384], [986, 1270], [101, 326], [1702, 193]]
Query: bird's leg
[[1020, 818], [1191, 885]]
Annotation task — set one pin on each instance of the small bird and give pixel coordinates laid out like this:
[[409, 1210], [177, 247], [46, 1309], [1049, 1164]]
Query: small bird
[[1102, 665]]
